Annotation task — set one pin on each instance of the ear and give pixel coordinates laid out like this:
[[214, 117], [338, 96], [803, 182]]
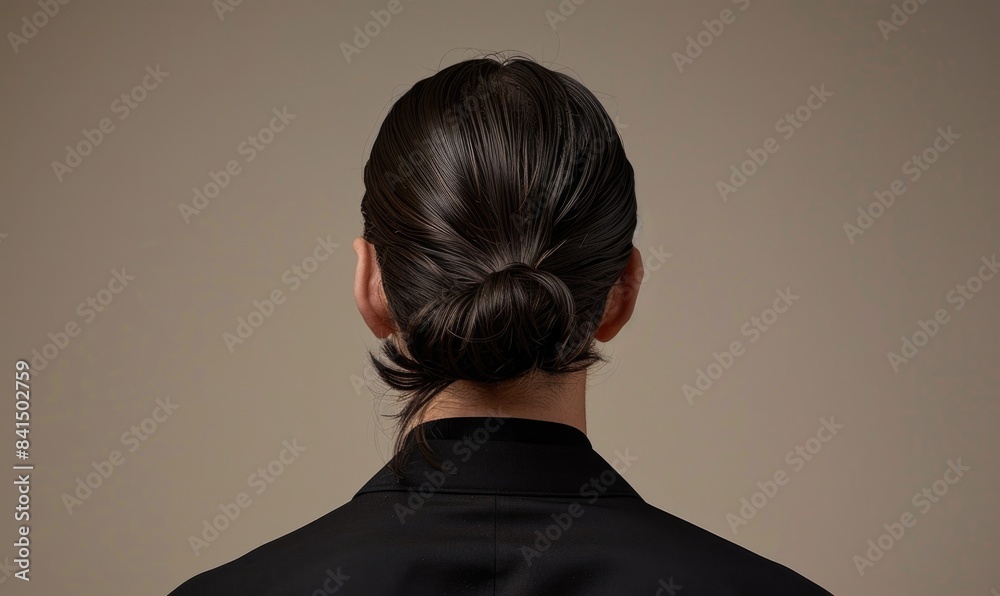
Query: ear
[[622, 298], [368, 292]]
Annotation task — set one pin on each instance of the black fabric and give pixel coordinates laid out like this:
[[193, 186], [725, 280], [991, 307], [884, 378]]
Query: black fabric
[[524, 507]]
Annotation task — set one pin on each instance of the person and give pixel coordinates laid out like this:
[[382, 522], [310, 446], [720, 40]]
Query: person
[[499, 215]]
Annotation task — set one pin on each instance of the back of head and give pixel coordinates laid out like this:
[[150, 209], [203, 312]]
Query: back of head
[[502, 208]]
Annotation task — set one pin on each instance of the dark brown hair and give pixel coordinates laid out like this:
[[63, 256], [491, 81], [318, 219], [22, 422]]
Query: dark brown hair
[[502, 210]]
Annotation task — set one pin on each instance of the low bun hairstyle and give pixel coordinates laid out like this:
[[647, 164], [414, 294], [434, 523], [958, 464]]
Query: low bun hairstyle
[[494, 330], [502, 208]]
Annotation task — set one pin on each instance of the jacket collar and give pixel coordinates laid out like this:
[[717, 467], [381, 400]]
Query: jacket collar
[[512, 456]]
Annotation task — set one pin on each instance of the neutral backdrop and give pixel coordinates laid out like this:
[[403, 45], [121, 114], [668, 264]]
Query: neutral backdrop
[[715, 259]]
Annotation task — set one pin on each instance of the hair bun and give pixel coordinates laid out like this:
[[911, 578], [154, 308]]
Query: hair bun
[[516, 319]]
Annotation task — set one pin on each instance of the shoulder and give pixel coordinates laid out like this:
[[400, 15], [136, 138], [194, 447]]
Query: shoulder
[[307, 556], [708, 560]]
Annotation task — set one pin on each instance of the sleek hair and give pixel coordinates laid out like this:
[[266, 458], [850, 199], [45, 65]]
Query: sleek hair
[[502, 209]]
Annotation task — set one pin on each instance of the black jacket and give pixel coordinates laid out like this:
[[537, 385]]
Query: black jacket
[[525, 507]]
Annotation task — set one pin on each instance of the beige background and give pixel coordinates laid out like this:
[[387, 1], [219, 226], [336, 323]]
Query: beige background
[[300, 375]]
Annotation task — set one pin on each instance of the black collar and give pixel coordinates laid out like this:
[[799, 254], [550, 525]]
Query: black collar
[[512, 456]]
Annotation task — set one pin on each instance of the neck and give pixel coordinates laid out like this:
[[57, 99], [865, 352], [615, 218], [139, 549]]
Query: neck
[[553, 398]]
